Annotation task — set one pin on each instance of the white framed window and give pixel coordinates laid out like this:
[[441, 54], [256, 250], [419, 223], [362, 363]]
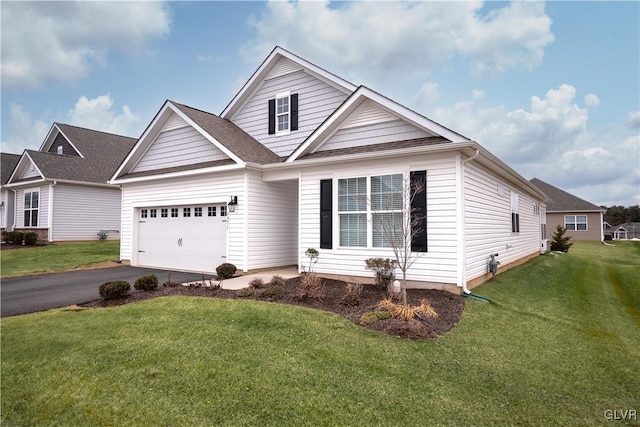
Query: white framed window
[[186, 212], [31, 208], [211, 211], [144, 213], [153, 213], [370, 206], [164, 212], [223, 211], [515, 213], [59, 149], [174, 212], [283, 112], [575, 222], [197, 211]]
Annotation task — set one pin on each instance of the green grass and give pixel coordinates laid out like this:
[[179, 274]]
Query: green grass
[[559, 345], [59, 257]]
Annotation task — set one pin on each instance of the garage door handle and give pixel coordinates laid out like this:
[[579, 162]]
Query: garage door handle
[[180, 242], [141, 252]]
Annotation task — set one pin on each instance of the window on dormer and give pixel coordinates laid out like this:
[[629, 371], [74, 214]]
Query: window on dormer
[[59, 149], [283, 114]]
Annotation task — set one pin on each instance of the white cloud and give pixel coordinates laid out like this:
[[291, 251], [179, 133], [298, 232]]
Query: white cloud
[[427, 94], [97, 113], [634, 120], [404, 37], [61, 41], [591, 100], [25, 132], [551, 141]]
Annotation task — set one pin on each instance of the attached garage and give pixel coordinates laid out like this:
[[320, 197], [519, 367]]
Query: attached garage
[[182, 237]]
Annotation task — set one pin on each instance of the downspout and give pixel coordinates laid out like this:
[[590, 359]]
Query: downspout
[[463, 222], [50, 213], [15, 208]]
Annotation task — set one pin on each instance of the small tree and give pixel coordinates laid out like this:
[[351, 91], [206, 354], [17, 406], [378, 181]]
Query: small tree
[[399, 231], [560, 242]]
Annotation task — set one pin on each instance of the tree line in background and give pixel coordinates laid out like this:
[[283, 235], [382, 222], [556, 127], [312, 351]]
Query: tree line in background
[[617, 215]]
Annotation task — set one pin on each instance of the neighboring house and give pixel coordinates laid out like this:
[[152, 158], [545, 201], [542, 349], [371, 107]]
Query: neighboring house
[[7, 196], [583, 220], [303, 156], [627, 231], [62, 191]]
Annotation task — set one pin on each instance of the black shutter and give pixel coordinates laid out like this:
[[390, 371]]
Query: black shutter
[[419, 211], [294, 111], [326, 214], [272, 116]]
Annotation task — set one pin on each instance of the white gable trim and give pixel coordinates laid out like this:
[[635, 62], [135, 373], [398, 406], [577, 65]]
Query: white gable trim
[[51, 137], [152, 131], [344, 112], [263, 72], [23, 163]]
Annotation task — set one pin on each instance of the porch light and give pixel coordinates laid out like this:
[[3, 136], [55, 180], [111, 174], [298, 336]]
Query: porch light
[[233, 203]]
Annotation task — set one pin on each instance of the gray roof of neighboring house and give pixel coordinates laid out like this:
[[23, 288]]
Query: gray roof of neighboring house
[[561, 201], [103, 152], [8, 163], [243, 145]]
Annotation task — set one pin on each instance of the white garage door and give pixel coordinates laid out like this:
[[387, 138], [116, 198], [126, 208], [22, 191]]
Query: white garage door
[[189, 238]]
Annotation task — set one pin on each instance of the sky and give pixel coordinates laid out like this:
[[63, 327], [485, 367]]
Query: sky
[[552, 89]]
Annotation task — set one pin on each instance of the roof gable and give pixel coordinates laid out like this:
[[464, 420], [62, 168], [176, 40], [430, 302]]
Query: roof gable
[[182, 138], [278, 63], [368, 109], [95, 156], [56, 138], [561, 201]]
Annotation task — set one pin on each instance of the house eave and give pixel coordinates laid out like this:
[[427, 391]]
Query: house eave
[[180, 174]]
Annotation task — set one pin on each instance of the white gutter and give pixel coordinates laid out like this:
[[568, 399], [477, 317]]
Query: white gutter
[[462, 224], [192, 172], [15, 208]]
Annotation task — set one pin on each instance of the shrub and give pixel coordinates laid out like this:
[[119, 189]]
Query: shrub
[[350, 299], [406, 311], [273, 292], [313, 255], [373, 316], [560, 242], [384, 270], [226, 270], [146, 283], [310, 286], [115, 289], [30, 238], [354, 288], [245, 292], [15, 237], [277, 281], [5, 236], [257, 283]]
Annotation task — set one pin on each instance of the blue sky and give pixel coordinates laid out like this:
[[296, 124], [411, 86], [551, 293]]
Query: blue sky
[[552, 89]]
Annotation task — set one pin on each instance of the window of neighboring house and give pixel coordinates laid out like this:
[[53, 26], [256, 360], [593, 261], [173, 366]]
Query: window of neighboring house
[[283, 114], [575, 222], [379, 198], [515, 213], [31, 208]]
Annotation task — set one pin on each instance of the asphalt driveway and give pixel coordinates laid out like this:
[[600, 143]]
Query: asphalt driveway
[[27, 294]]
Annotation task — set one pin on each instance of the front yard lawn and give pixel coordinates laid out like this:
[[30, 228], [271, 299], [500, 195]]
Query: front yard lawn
[[59, 257], [559, 345]]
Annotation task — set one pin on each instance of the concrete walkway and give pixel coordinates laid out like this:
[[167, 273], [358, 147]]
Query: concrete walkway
[[240, 282]]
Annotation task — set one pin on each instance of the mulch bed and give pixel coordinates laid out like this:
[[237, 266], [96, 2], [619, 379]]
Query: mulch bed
[[448, 306]]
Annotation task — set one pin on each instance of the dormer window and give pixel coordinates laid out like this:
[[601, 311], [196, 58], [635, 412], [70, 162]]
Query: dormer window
[[59, 149], [283, 113]]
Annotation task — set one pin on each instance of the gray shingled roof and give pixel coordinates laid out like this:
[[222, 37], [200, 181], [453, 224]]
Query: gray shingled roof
[[8, 163], [431, 140], [561, 201], [243, 145], [103, 152]]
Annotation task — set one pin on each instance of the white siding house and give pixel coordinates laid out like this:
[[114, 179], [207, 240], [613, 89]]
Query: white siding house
[[61, 190], [307, 159], [7, 196]]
